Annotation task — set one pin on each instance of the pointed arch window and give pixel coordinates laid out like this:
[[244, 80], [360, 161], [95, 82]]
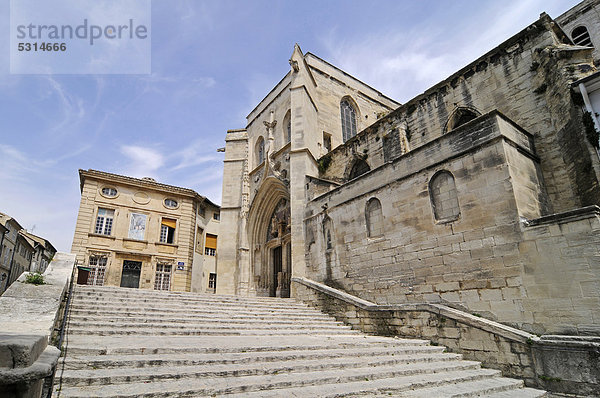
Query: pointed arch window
[[459, 117], [359, 168], [374, 217], [581, 37], [260, 150], [287, 123], [327, 233], [444, 197], [348, 120]]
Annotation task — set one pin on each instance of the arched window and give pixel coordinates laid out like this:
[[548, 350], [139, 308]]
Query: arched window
[[287, 125], [348, 120], [374, 217], [581, 37], [359, 168], [327, 233], [260, 150], [444, 197], [459, 117]]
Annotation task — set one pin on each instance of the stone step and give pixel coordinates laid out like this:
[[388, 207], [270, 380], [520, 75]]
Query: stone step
[[384, 366], [186, 303], [148, 345], [141, 321], [521, 393], [431, 385], [213, 331], [477, 388], [185, 359], [198, 324], [191, 312], [133, 343], [170, 318], [115, 290], [138, 294], [183, 309], [321, 384]]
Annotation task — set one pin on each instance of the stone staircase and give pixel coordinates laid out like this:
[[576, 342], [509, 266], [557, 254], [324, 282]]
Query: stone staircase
[[139, 343]]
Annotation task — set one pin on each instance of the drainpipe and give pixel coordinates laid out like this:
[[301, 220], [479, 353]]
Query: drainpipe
[[590, 109]]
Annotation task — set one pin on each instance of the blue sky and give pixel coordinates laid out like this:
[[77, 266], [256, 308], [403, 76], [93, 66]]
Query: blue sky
[[212, 61]]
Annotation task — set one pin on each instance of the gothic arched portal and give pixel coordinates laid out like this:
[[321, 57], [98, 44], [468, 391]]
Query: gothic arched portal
[[269, 238]]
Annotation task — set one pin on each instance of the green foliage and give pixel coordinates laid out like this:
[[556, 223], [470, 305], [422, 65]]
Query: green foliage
[[324, 163], [35, 278], [591, 133]]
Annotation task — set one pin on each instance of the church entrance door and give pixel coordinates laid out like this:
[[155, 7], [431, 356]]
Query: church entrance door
[[277, 271]]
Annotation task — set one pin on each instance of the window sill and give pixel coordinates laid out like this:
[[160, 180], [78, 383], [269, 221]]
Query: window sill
[[166, 244], [101, 236], [134, 240], [375, 239], [447, 220]]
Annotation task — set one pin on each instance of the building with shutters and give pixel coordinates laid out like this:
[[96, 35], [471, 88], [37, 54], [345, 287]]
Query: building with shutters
[[140, 233]]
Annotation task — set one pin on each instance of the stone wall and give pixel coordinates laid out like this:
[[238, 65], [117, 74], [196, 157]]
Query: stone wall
[[527, 78], [564, 365], [30, 315], [475, 261], [561, 274]]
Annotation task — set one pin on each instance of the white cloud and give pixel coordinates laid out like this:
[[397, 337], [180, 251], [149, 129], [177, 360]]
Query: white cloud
[[142, 161], [404, 62], [72, 108]]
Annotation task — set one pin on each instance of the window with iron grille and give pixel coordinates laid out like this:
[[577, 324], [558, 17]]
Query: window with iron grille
[[104, 221], [162, 280], [212, 281], [98, 270]]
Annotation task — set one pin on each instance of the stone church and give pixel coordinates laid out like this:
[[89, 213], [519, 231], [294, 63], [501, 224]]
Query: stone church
[[481, 193]]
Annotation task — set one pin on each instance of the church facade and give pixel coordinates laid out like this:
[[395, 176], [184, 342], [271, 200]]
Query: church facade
[[481, 193]]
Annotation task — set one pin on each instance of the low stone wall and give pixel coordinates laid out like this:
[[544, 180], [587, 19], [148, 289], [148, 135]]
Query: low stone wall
[[560, 365], [28, 317]]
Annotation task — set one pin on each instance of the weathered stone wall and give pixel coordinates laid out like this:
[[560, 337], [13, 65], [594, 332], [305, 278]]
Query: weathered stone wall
[[561, 274], [475, 261], [565, 364], [526, 78]]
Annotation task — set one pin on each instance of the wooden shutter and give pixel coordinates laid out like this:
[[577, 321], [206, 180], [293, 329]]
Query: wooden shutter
[[211, 241]]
